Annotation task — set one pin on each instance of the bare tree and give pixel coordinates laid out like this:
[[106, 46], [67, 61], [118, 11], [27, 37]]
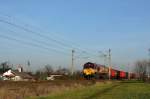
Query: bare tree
[[148, 68], [141, 69], [48, 69], [5, 66], [40, 75], [63, 71]]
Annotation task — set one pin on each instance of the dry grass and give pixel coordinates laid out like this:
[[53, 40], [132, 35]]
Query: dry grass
[[22, 90]]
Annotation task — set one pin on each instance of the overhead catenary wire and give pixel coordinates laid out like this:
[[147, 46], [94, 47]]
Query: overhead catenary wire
[[73, 45], [28, 30], [15, 34], [30, 38], [35, 33], [61, 43], [30, 44]]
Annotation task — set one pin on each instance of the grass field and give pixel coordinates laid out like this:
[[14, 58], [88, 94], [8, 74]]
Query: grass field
[[107, 90]]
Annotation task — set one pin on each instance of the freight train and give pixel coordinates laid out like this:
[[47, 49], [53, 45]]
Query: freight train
[[97, 71]]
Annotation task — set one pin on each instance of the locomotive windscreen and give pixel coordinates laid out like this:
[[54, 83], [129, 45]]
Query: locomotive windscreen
[[89, 65]]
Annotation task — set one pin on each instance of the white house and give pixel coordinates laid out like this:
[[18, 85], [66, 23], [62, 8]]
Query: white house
[[16, 76]]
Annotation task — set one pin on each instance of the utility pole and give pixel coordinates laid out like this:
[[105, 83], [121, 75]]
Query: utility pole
[[105, 59], [149, 54], [128, 71], [149, 63], [72, 63], [109, 64], [28, 63]]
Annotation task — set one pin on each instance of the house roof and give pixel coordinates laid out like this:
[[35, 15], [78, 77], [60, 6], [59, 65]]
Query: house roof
[[23, 75]]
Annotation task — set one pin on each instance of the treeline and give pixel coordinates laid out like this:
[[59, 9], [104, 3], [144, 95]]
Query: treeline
[[142, 68], [48, 70]]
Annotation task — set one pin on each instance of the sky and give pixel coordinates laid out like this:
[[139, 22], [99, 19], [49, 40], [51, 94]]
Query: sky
[[33, 30]]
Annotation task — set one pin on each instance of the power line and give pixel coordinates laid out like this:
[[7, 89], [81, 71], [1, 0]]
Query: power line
[[33, 40], [72, 45], [29, 43], [40, 42], [35, 33], [78, 49]]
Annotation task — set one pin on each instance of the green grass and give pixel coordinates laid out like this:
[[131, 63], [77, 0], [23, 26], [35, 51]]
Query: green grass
[[127, 91], [115, 90]]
